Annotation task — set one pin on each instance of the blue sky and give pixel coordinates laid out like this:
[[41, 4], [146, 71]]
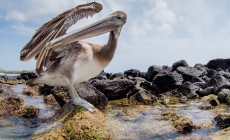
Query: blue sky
[[157, 32]]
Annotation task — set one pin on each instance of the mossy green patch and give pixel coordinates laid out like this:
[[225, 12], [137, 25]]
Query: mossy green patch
[[49, 99], [10, 104], [31, 91], [79, 123], [120, 103], [211, 99], [27, 111], [182, 125]]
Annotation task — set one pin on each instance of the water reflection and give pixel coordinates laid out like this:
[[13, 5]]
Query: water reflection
[[13, 127]]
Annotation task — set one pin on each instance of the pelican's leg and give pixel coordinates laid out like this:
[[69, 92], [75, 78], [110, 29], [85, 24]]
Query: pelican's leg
[[77, 100]]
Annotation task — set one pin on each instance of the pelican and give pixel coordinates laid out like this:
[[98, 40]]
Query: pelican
[[63, 59]]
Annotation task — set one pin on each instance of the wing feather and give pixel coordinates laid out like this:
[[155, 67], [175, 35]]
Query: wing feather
[[56, 28]]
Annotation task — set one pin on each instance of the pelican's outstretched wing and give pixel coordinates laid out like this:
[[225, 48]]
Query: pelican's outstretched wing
[[56, 28]]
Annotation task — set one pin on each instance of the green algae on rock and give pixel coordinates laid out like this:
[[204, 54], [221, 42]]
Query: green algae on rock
[[212, 99], [76, 123], [182, 125], [140, 96], [49, 99], [27, 111], [31, 91], [223, 120], [9, 101], [11, 83]]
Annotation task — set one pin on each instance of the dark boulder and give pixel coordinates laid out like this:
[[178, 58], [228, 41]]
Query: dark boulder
[[192, 95], [223, 120], [200, 84], [222, 95], [143, 74], [188, 87], [132, 73], [140, 96], [91, 94], [102, 76], [3, 77], [152, 72], [27, 76], [191, 74], [136, 79], [115, 76], [206, 91], [211, 73], [167, 81], [189, 90], [200, 67], [225, 74], [85, 91], [219, 82], [211, 99], [219, 63], [205, 79], [114, 89], [148, 86], [177, 64]]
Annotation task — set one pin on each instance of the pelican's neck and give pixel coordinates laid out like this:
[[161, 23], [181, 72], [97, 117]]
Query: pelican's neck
[[109, 49]]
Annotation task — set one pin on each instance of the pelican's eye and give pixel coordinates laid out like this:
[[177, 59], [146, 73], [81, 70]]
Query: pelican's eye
[[119, 17]]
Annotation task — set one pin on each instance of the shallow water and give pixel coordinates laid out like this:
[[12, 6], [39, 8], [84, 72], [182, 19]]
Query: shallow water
[[127, 122], [13, 127], [10, 74], [144, 122]]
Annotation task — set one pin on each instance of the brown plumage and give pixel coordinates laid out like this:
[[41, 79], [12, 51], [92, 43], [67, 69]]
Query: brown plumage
[[56, 28], [63, 59]]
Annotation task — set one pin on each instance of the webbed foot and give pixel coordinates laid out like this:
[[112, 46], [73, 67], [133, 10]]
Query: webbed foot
[[85, 105]]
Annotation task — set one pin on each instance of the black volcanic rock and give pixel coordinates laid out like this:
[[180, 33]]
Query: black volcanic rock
[[211, 73], [114, 89], [119, 75], [206, 91], [91, 94], [148, 86], [223, 120], [189, 90], [28, 76], [141, 96], [152, 72], [177, 64], [84, 90], [167, 81], [222, 95], [191, 74], [219, 63], [132, 73], [219, 82]]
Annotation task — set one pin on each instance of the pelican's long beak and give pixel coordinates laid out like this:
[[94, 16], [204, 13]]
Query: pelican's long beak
[[103, 26]]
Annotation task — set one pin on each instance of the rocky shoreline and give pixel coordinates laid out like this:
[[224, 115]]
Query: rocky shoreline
[[209, 83]]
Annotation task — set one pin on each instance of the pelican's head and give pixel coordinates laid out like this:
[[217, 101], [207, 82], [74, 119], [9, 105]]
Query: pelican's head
[[113, 23]]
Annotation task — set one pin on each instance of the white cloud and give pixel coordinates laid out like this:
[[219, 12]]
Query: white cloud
[[165, 29], [15, 15], [162, 15]]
